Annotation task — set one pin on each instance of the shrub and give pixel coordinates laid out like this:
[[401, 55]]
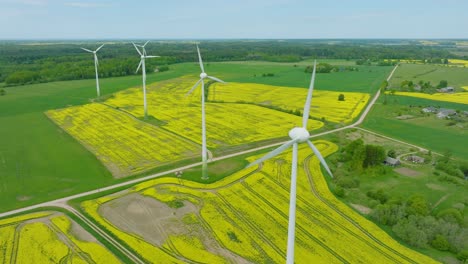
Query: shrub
[[440, 243]]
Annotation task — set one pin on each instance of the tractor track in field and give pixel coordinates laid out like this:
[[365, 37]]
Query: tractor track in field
[[70, 244], [251, 225], [337, 223], [347, 218], [318, 241]]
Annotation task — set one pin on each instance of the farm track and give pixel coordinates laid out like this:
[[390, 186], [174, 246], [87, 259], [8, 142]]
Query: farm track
[[350, 220], [318, 241], [104, 235], [72, 246], [16, 239]]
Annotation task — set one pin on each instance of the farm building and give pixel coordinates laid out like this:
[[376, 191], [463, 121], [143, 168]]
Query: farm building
[[446, 90], [415, 159], [444, 113], [430, 109], [391, 162]]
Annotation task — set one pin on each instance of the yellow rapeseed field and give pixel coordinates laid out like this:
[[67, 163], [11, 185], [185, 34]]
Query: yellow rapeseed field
[[459, 62], [325, 104], [461, 98], [227, 123], [39, 238], [125, 145], [249, 218]]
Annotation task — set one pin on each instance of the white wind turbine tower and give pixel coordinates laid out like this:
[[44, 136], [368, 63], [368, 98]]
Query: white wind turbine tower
[[203, 76], [297, 135], [96, 63], [143, 56]]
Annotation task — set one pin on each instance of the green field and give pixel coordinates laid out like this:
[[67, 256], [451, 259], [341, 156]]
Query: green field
[[39, 162], [428, 132], [421, 102], [456, 76]]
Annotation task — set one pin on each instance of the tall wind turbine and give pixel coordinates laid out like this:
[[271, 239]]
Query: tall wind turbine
[[203, 76], [96, 63], [297, 135], [143, 56]]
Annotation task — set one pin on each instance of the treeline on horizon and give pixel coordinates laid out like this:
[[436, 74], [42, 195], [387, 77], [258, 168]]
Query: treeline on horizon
[[25, 63]]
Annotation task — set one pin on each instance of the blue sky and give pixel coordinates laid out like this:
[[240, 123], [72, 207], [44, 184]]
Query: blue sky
[[184, 19]]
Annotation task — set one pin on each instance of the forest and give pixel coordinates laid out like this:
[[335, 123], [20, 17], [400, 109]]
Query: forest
[[25, 62]]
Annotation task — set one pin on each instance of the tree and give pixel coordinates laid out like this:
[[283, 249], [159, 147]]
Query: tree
[[2, 92], [375, 155], [417, 205], [440, 243], [341, 97], [442, 84], [391, 153]]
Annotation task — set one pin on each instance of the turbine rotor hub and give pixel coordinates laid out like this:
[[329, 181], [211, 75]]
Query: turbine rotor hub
[[142, 56], [203, 75], [299, 133]]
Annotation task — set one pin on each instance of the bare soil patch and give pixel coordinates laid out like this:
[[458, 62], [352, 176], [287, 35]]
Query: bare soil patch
[[156, 222], [408, 172], [436, 187], [361, 208]]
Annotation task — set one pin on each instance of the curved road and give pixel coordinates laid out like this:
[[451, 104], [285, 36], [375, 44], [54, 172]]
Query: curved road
[[63, 202]]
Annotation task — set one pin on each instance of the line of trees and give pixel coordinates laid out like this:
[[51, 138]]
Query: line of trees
[[21, 64]]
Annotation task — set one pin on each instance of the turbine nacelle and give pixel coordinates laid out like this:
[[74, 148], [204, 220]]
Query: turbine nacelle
[[299, 133], [203, 75]]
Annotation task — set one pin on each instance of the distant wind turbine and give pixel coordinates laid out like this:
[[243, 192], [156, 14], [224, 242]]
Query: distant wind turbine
[[96, 63], [297, 135], [203, 76], [143, 56]]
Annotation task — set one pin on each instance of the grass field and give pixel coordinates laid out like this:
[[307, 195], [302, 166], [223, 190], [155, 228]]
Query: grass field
[[243, 217], [325, 104], [456, 76], [425, 131], [49, 237], [28, 138], [422, 102]]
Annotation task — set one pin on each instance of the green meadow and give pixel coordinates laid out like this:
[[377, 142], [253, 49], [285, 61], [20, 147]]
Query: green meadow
[[426, 131], [456, 76]]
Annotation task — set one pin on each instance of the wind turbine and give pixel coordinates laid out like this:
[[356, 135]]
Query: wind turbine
[[96, 63], [297, 135], [143, 56], [203, 76]]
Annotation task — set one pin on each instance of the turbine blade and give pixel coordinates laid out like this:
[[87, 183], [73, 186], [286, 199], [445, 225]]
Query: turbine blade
[[145, 43], [100, 47], [193, 88], [200, 60], [305, 115], [96, 59], [87, 50], [137, 49], [139, 65], [152, 56], [216, 79], [273, 153], [319, 156]]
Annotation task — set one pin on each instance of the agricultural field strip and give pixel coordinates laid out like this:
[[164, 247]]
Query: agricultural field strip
[[325, 104], [461, 98], [153, 176], [62, 236], [124, 149], [227, 123]]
